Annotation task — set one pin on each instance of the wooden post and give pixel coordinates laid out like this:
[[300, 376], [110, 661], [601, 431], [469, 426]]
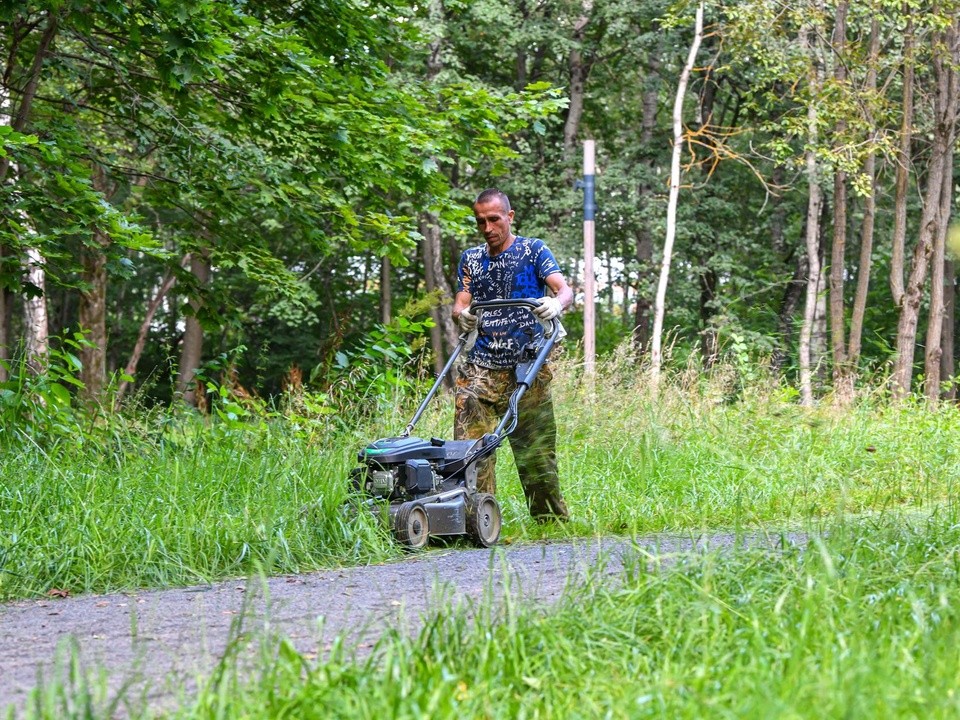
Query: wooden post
[[589, 290]]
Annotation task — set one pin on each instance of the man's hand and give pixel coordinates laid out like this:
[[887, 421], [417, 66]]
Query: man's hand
[[548, 309], [467, 321]]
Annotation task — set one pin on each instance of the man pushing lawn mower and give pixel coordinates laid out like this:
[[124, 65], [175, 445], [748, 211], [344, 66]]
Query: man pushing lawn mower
[[509, 266], [434, 487]]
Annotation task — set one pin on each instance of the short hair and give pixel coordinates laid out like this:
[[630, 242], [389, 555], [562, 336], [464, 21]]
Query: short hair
[[494, 194]]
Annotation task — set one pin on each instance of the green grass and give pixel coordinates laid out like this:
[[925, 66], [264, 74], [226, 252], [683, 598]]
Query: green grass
[[864, 622], [686, 462], [99, 518], [160, 501]]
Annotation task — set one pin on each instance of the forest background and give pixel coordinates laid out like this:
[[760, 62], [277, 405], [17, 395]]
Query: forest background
[[257, 192]]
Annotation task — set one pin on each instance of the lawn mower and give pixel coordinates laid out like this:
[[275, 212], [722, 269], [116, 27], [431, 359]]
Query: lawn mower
[[427, 488]]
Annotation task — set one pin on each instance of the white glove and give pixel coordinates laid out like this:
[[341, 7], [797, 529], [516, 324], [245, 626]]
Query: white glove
[[467, 321], [549, 308]]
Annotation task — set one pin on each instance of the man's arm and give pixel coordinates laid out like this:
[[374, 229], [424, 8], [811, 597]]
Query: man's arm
[[551, 306], [460, 303], [561, 290]]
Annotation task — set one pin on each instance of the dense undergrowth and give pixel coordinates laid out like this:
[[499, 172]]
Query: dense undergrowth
[[156, 499]]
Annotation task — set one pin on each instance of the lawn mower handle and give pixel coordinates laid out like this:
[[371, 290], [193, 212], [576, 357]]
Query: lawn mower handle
[[552, 333]]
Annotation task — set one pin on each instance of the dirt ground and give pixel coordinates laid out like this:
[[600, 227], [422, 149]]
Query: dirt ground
[[156, 643]]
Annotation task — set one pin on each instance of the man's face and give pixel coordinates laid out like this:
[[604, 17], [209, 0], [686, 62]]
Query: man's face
[[493, 223]]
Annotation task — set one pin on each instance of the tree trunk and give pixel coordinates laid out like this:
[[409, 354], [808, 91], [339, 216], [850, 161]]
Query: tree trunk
[[93, 317], [386, 311], [947, 360], [904, 159], [843, 374], [520, 60], [6, 297], [36, 325], [814, 201], [931, 364], [707, 247], [643, 306], [865, 263], [130, 370], [777, 215], [36, 336], [93, 304], [794, 287], [788, 307], [931, 220], [6, 315], [191, 351], [608, 264], [644, 237], [656, 359], [820, 340], [443, 334], [934, 348], [708, 332], [869, 215], [22, 116], [579, 69]]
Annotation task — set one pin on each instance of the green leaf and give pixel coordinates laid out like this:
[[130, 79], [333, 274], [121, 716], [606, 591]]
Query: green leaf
[[59, 392]]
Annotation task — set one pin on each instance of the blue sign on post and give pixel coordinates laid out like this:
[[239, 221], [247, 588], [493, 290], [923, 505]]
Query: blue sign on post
[[589, 202]]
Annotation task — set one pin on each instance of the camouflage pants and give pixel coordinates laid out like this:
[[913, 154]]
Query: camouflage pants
[[482, 395]]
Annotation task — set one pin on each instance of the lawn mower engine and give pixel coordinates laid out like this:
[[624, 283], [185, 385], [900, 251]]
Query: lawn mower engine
[[429, 488]]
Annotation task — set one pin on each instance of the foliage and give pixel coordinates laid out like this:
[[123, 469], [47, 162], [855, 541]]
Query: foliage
[[9, 139], [380, 371], [301, 145], [37, 405], [281, 137]]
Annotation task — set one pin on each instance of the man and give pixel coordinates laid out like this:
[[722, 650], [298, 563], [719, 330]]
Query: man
[[509, 266]]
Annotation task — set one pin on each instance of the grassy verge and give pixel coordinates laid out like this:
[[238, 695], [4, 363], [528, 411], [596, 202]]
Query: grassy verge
[[862, 623], [161, 502]]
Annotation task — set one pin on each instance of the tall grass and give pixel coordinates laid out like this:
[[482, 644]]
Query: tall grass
[[709, 451], [863, 622], [161, 500], [139, 514]]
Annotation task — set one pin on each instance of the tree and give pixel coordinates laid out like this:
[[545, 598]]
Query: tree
[[656, 345], [945, 56]]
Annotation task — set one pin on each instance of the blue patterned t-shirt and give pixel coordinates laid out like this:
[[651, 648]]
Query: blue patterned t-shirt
[[520, 271]]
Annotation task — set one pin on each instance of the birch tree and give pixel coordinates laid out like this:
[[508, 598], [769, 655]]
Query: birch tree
[[35, 323], [814, 201], [938, 305], [867, 225], [843, 374], [656, 352]]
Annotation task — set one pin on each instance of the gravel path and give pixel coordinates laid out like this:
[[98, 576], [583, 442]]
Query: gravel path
[[159, 641]]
